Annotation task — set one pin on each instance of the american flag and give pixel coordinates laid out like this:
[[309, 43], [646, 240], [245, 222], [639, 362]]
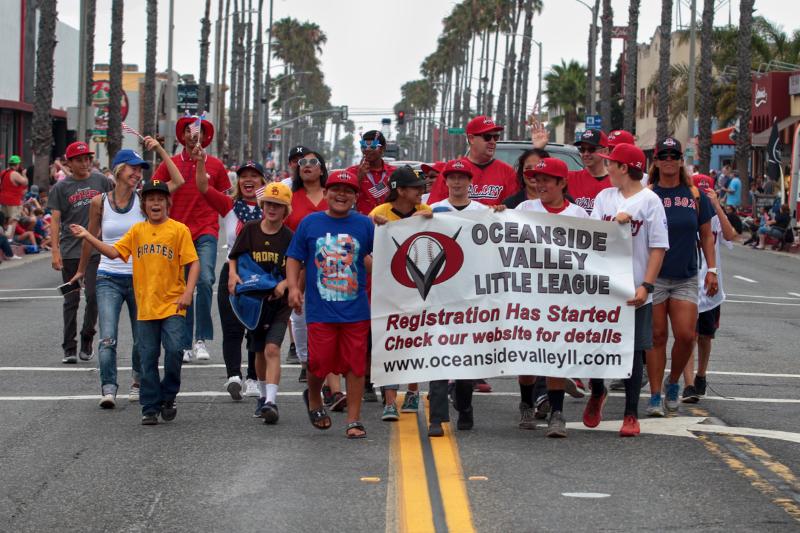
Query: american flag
[[195, 126], [128, 129], [260, 192], [378, 190]]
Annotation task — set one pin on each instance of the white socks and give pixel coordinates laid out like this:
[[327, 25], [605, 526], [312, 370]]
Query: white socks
[[272, 393], [262, 388]]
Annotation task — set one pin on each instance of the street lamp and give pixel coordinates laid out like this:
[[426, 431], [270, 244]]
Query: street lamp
[[592, 49], [539, 93]]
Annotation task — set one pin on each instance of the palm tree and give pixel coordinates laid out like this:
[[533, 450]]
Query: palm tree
[[531, 7], [566, 92], [42, 127], [114, 134], [631, 58], [149, 96], [221, 136], [665, 41], [258, 71], [91, 14], [605, 64], [706, 103], [205, 32], [590, 85], [245, 145], [744, 91]]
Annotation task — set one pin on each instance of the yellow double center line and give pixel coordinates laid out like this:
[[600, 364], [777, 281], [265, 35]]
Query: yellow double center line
[[430, 493]]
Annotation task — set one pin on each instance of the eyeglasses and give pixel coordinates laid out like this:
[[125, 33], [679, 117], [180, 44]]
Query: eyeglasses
[[669, 156], [373, 145], [587, 148], [311, 162], [490, 137]]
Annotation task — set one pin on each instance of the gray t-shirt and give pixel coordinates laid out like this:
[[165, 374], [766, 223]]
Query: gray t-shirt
[[72, 197]]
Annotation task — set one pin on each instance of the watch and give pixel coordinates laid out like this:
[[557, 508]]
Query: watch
[[648, 287], [712, 270]]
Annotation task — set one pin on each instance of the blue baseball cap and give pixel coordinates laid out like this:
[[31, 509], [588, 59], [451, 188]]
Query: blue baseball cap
[[253, 165], [129, 157]]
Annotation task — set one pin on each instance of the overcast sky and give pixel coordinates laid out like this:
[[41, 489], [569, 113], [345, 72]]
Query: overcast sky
[[375, 46]]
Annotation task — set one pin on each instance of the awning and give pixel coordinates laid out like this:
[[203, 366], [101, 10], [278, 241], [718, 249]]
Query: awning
[[646, 140], [762, 138], [725, 136]]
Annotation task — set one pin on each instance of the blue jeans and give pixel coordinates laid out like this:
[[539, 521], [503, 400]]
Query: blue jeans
[[152, 335], [198, 321], [112, 292]]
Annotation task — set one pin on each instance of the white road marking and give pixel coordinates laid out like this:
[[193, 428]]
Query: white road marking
[[79, 368], [794, 294], [753, 374], [13, 298], [753, 302], [585, 494], [197, 394], [748, 280], [26, 290], [766, 297]]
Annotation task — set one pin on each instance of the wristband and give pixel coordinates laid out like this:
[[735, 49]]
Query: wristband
[[713, 271], [648, 287]]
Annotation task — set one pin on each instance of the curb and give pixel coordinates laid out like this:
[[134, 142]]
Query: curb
[[26, 260]]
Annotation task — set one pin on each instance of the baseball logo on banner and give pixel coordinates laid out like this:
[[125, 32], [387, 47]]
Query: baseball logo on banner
[[474, 295]]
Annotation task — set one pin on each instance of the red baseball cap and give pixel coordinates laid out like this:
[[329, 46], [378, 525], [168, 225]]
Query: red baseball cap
[[620, 136], [456, 166], [550, 166], [436, 167], [703, 181], [342, 177], [205, 125], [78, 148], [482, 124], [627, 154]]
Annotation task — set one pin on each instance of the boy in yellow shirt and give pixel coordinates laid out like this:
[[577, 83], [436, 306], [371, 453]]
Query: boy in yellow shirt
[[160, 249]]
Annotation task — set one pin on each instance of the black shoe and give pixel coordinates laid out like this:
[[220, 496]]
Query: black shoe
[[327, 396], [270, 413], [700, 384], [435, 430], [542, 407], [70, 359], [168, 410], [369, 394], [291, 357], [149, 420], [465, 420], [690, 395], [303, 378]]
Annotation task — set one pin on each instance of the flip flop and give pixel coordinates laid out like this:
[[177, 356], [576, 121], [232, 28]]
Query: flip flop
[[355, 425], [319, 416]]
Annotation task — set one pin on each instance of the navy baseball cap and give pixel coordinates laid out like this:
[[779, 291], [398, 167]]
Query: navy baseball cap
[[250, 164], [129, 157], [297, 151]]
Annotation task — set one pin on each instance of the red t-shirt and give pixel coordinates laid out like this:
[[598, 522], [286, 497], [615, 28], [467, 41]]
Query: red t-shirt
[[376, 181], [10, 192], [302, 206], [491, 183], [583, 187], [188, 204]]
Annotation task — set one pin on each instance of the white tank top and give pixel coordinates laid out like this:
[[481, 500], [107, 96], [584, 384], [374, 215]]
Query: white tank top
[[115, 225]]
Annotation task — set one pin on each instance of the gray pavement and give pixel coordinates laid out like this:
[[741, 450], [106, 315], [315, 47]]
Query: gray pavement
[[66, 465]]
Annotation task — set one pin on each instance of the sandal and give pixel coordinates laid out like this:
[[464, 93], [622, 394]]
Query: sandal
[[359, 427], [319, 417]]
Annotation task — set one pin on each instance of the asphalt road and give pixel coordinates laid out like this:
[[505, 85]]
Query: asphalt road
[[66, 465]]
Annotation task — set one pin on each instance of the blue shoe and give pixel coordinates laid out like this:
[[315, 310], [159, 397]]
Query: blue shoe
[[671, 397], [654, 407], [259, 405]]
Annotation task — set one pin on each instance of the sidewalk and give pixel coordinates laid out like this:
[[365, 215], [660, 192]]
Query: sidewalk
[[26, 260]]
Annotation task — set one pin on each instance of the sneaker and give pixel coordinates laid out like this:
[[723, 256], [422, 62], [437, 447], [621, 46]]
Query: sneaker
[[259, 405], [630, 426], [410, 403], [69, 359], [593, 412], [234, 388], [581, 385], [617, 385], [108, 401], [390, 413], [690, 395], [556, 426], [200, 351], [188, 356], [645, 380], [369, 394], [291, 357], [526, 418], [303, 377], [168, 410], [339, 403], [654, 408], [149, 420], [542, 407], [465, 420], [481, 385], [269, 412], [700, 385], [86, 355], [133, 394], [571, 388], [435, 430], [671, 393], [251, 388], [327, 396]]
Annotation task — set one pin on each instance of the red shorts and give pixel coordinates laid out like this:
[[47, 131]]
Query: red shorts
[[338, 348]]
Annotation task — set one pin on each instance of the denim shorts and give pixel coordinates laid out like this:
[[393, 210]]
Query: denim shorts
[[676, 289]]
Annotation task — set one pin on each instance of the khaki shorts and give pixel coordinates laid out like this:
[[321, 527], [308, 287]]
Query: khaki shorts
[[675, 289], [12, 212]]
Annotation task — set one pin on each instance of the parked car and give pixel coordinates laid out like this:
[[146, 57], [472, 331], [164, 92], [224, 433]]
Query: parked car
[[509, 151]]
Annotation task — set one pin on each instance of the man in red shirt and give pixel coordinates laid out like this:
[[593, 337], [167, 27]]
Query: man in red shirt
[[373, 172], [583, 185], [190, 207], [492, 180], [13, 185]]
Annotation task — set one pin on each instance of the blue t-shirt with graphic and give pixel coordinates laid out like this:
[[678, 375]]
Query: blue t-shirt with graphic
[[683, 223], [734, 197], [333, 251]]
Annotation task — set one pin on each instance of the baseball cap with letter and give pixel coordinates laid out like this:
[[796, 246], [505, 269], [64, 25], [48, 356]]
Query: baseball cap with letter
[[549, 166], [456, 166], [482, 124], [627, 154], [154, 186], [277, 193], [594, 138], [78, 148], [342, 177], [129, 157], [620, 136]]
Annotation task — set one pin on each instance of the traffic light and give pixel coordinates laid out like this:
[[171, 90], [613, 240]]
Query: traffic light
[[401, 118]]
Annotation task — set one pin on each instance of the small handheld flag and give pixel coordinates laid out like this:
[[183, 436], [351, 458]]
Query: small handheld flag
[[128, 129]]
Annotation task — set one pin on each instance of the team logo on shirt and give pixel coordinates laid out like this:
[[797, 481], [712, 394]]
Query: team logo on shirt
[[426, 259]]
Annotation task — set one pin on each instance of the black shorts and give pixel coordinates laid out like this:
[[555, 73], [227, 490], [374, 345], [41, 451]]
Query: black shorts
[[271, 326], [708, 322], [643, 331]]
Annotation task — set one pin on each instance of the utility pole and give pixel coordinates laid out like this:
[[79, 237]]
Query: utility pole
[[82, 96], [263, 110], [690, 110], [169, 131], [215, 94]]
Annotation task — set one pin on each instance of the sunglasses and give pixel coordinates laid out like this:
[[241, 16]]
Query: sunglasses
[[669, 156], [585, 148], [373, 145], [311, 162], [490, 137]]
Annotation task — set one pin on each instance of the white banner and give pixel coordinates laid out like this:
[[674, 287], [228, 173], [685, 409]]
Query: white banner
[[480, 294]]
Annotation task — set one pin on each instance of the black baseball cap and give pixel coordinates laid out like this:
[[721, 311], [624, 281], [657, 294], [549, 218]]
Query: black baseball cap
[[297, 151], [373, 134], [405, 177], [154, 186], [594, 138], [670, 144]]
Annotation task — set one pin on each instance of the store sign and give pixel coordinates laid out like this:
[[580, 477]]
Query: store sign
[[760, 96], [100, 91], [794, 84]]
